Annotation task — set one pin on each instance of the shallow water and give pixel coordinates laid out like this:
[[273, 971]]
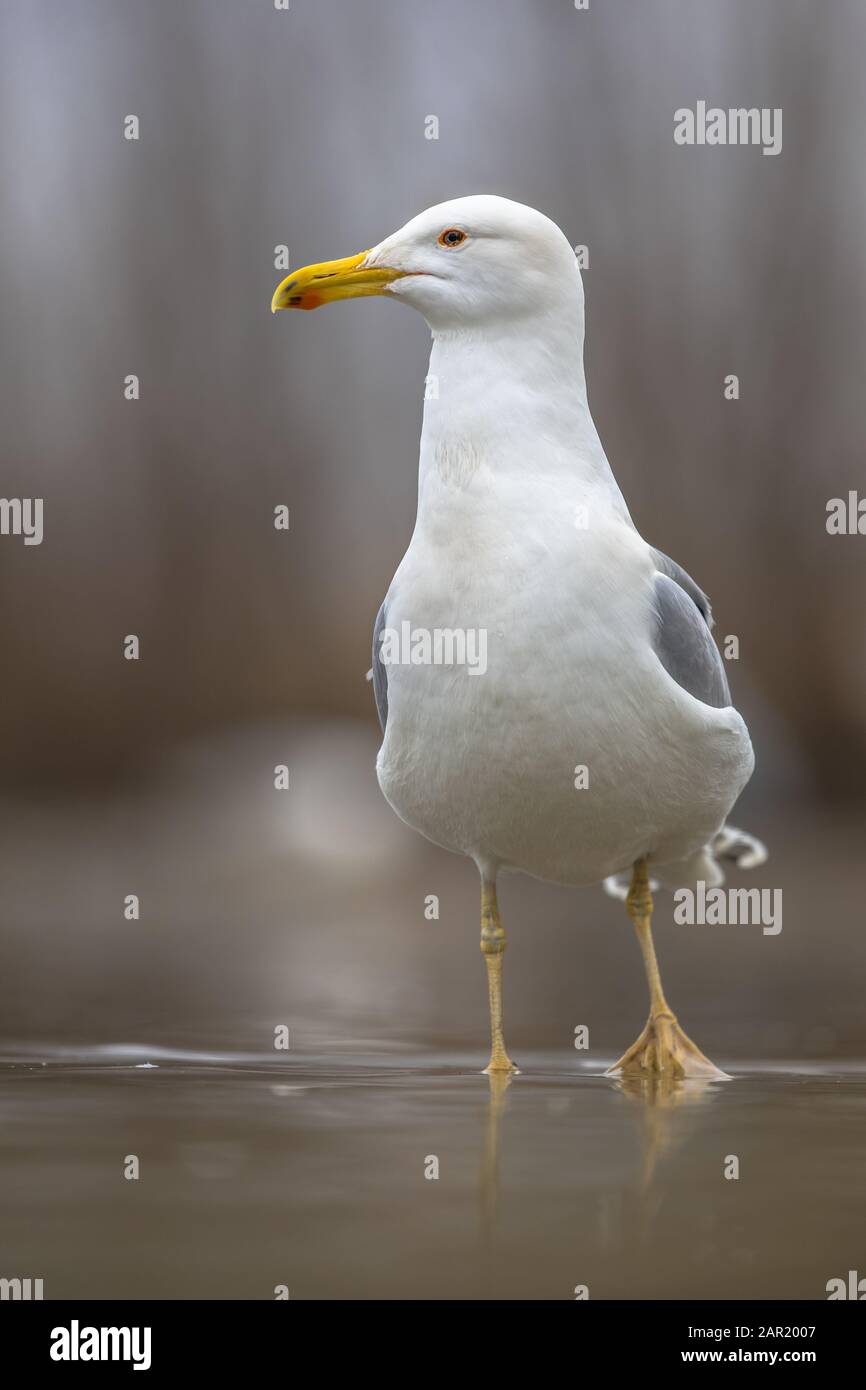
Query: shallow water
[[311, 1174]]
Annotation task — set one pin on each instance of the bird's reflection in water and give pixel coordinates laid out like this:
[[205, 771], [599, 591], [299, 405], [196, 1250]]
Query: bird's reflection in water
[[488, 1188], [668, 1108]]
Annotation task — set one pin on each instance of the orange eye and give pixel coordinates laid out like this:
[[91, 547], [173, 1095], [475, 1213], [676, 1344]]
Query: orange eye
[[452, 236]]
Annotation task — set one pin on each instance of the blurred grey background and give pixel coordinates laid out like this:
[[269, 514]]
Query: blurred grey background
[[156, 257]]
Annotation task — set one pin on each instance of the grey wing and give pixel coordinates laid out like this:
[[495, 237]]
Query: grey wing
[[665, 565], [380, 675], [683, 641]]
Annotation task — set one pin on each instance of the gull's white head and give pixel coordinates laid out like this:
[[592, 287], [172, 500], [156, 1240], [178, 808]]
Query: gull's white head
[[471, 262]]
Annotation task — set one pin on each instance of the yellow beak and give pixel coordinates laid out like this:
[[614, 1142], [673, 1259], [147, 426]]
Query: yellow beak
[[315, 285]]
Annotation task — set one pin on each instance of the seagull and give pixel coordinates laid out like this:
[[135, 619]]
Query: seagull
[[551, 697]]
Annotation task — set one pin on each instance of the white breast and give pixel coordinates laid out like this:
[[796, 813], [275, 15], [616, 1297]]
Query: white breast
[[486, 764]]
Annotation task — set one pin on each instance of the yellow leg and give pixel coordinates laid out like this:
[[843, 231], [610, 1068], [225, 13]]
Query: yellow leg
[[493, 948], [662, 1048]]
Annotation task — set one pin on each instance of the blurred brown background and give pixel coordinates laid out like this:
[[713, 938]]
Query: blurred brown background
[[156, 257]]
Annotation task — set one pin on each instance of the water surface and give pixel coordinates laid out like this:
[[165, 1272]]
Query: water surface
[[311, 1173]]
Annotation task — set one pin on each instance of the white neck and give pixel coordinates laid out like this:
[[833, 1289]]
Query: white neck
[[512, 399]]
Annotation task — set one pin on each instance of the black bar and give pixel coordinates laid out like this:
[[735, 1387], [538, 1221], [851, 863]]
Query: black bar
[[224, 1338]]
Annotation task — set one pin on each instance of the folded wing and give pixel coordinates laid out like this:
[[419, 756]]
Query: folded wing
[[683, 640]]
